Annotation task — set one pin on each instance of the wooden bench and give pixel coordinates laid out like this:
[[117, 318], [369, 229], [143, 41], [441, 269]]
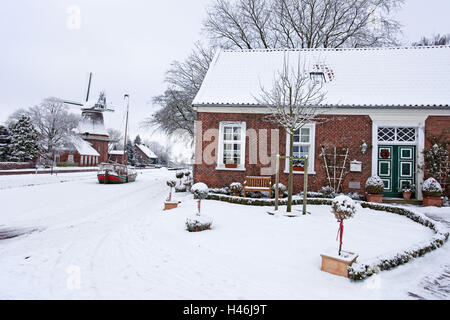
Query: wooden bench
[[258, 184]]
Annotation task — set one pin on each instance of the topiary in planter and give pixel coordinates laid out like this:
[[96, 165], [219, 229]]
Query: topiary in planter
[[342, 207], [432, 192], [171, 184], [374, 185], [199, 222], [374, 189], [431, 188], [236, 188]]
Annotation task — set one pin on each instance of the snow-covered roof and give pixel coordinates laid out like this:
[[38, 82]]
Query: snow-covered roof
[[117, 152], [83, 147], [146, 150], [398, 76]]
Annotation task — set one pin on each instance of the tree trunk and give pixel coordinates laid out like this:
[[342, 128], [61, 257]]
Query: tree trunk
[[291, 182]]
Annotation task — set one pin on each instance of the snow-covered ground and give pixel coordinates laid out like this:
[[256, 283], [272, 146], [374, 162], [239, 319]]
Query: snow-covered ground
[[115, 241]]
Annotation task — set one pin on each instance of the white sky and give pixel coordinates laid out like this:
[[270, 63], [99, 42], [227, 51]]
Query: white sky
[[128, 45]]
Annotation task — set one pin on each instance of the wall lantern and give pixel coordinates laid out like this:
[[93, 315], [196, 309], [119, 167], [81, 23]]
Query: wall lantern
[[363, 147]]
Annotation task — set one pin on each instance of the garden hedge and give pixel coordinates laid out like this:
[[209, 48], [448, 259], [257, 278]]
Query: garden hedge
[[362, 270]]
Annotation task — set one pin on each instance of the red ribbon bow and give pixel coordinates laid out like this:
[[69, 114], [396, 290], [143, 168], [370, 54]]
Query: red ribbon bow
[[340, 230], [198, 201]]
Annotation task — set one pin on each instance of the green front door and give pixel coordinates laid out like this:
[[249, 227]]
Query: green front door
[[396, 167]]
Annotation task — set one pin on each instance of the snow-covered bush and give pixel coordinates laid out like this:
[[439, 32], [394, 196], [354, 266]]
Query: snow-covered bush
[[431, 188], [200, 190], [179, 174], [327, 192], [236, 188], [186, 173], [171, 183], [196, 222], [181, 188], [342, 207], [281, 189], [374, 185]]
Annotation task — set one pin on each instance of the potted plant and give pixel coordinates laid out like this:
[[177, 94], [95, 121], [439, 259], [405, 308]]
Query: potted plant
[[298, 165], [281, 189], [236, 189], [432, 193], [374, 189], [169, 204], [407, 190], [198, 222], [343, 207]]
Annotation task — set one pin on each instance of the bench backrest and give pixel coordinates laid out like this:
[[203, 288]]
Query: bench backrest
[[264, 182]]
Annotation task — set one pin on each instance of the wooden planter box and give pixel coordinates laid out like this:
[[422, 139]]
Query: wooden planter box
[[170, 205], [432, 201], [374, 197], [337, 265], [230, 165], [298, 168]]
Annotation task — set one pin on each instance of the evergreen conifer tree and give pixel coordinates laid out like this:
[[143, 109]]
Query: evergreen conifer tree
[[24, 140], [5, 141]]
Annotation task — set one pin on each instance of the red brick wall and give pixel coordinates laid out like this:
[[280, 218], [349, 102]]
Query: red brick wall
[[436, 126], [340, 130]]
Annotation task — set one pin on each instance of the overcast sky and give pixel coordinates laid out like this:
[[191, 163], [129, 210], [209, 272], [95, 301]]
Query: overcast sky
[[128, 45]]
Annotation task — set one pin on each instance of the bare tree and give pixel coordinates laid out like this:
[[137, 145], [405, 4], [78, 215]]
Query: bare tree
[[251, 24], [436, 40], [53, 122], [116, 139], [292, 100], [184, 80], [162, 152]]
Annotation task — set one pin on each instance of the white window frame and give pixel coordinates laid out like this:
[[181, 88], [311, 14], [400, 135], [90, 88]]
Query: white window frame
[[312, 148], [219, 161]]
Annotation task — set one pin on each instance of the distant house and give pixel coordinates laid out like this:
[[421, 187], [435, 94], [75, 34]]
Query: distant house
[[145, 155], [77, 152], [116, 156]]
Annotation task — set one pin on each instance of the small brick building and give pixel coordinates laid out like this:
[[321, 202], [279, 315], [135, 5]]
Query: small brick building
[[380, 108]]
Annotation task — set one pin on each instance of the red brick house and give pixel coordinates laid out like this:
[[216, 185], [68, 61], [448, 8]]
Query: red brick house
[[381, 104], [144, 154]]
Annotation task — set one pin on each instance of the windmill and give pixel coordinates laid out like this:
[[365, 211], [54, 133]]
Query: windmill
[[92, 122], [92, 126]]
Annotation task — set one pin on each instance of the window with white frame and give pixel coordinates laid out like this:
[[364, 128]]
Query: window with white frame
[[397, 134], [231, 153], [303, 145]]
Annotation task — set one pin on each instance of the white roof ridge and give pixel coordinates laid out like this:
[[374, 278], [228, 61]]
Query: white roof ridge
[[339, 49]]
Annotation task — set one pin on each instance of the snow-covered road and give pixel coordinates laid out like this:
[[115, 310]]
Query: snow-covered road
[[114, 241]]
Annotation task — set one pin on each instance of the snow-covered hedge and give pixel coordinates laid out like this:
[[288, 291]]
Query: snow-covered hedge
[[225, 190], [200, 190], [363, 269], [431, 188], [374, 185], [327, 192], [198, 222]]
